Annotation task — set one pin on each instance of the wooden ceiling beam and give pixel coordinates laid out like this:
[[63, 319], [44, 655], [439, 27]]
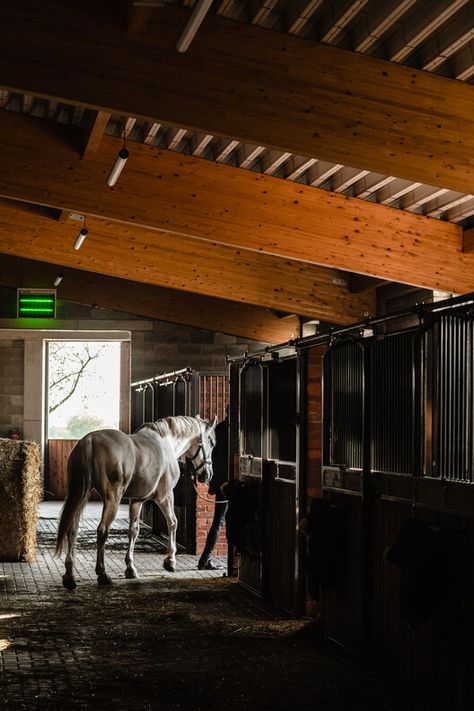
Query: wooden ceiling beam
[[168, 191], [151, 301], [359, 283], [182, 263], [468, 240], [139, 14], [334, 104], [95, 123]]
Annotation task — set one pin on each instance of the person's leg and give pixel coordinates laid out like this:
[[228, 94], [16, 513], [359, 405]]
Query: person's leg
[[220, 509]]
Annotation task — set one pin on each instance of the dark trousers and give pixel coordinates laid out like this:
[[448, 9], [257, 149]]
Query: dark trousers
[[220, 509]]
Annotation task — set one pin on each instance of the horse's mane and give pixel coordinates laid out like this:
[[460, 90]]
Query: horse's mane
[[179, 426]]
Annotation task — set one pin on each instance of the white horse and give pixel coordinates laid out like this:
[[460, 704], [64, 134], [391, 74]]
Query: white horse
[[136, 467]]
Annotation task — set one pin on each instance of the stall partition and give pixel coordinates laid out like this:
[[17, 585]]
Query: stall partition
[[181, 392]]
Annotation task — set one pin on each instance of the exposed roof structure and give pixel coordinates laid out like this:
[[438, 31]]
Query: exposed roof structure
[[295, 155]]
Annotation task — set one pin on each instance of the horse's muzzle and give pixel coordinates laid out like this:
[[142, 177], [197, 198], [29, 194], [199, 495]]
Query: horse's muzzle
[[205, 475]]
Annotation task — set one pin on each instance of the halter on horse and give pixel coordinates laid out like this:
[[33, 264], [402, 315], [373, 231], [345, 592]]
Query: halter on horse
[[136, 467]]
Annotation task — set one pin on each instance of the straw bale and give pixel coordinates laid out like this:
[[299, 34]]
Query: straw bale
[[20, 494]]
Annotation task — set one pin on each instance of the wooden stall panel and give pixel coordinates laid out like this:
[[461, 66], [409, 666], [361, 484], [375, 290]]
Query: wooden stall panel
[[443, 651], [250, 571], [390, 640], [343, 604], [58, 454], [280, 544]]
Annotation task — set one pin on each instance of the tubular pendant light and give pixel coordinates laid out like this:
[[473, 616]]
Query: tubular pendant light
[[118, 167], [58, 279], [119, 162], [80, 238], [197, 16]]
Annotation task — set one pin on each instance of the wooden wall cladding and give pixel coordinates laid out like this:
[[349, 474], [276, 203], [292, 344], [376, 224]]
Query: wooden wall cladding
[[58, 454], [344, 604]]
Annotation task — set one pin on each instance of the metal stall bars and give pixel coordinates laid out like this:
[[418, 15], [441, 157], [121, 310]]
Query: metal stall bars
[[265, 461], [180, 392]]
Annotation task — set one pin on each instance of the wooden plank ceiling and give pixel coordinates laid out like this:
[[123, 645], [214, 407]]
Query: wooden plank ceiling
[[267, 168]]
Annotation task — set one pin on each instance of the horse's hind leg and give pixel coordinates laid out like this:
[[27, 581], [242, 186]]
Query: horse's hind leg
[[167, 507], [109, 512], [69, 580], [133, 530]]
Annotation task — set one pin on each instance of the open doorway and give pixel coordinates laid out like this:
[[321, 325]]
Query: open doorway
[[83, 394], [83, 387]]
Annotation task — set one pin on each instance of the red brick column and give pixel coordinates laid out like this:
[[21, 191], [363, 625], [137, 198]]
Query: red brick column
[[204, 516]]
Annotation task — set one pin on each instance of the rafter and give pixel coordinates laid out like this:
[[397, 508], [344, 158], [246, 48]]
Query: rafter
[[337, 17], [468, 240], [151, 301], [138, 15], [463, 63], [447, 202], [95, 123], [167, 191], [370, 184], [374, 24], [346, 177], [377, 116], [423, 22], [451, 37], [182, 263], [300, 13]]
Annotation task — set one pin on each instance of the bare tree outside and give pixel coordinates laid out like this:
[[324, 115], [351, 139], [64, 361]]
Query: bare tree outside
[[83, 388], [68, 364]]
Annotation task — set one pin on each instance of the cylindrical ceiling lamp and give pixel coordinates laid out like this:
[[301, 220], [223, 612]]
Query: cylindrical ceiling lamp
[[80, 238], [118, 167]]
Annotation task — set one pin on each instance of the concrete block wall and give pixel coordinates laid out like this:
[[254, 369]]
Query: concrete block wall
[[11, 385], [158, 346], [166, 347]]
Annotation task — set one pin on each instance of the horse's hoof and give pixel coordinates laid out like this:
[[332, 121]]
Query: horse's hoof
[[169, 565], [103, 579], [69, 583], [131, 573]]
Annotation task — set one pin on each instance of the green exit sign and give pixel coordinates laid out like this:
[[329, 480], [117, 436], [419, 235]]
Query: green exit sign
[[36, 303]]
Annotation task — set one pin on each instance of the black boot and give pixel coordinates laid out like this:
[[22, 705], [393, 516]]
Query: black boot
[[208, 565]]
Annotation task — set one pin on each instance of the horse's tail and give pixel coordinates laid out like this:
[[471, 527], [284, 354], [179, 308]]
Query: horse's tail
[[79, 479]]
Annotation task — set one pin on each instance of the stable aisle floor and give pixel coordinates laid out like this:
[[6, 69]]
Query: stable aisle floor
[[189, 640]]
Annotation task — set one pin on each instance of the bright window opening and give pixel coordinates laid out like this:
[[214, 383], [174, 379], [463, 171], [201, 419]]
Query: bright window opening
[[83, 387]]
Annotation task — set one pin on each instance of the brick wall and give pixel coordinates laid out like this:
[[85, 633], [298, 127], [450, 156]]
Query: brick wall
[[11, 385], [204, 516], [314, 394], [314, 441]]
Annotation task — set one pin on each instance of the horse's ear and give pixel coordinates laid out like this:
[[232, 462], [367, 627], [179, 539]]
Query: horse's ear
[[213, 426]]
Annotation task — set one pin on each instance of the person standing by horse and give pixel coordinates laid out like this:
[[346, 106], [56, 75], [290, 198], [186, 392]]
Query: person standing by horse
[[220, 467]]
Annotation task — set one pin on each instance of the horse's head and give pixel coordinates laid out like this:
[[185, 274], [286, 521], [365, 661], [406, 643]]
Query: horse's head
[[200, 451]]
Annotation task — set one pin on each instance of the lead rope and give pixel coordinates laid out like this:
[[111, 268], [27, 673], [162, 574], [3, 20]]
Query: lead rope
[[209, 501]]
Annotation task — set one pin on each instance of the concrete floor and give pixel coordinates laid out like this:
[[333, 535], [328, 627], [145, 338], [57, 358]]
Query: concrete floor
[[188, 640]]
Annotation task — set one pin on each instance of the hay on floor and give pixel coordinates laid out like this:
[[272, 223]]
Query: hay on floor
[[20, 494]]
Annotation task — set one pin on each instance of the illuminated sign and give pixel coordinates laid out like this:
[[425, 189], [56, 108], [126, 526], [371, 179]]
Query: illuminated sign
[[36, 303]]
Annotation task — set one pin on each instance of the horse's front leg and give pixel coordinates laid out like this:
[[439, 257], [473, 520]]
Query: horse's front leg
[[167, 507], [133, 530]]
